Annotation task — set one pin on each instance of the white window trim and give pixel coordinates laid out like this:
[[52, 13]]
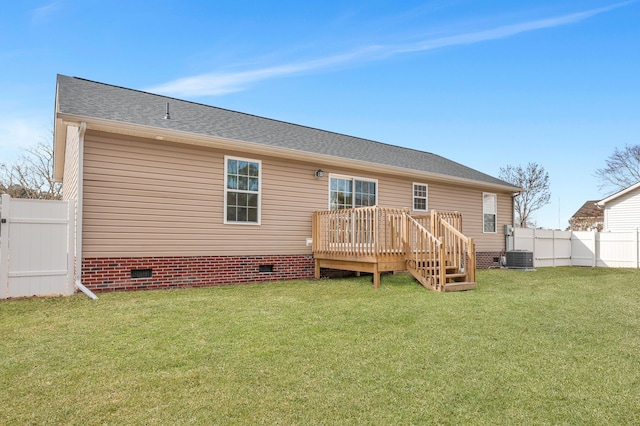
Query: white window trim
[[224, 211], [496, 213], [353, 178], [413, 197]]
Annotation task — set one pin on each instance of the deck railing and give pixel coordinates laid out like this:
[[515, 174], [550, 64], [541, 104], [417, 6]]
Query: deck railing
[[432, 244], [359, 232]]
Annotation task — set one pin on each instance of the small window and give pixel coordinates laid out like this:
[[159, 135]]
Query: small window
[[347, 192], [489, 212], [242, 190], [420, 197]]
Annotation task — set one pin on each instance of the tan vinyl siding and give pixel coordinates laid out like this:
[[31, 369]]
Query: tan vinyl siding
[[152, 198], [70, 177]]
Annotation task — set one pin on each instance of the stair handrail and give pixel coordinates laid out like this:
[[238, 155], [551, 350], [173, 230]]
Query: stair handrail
[[453, 230], [425, 258], [455, 255]]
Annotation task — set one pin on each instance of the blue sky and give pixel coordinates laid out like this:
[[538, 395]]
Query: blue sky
[[484, 83]]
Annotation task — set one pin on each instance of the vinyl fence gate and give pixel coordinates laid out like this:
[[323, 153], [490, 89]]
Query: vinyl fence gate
[[36, 247], [580, 248]]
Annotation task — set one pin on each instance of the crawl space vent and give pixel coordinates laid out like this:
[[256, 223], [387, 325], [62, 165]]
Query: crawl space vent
[[141, 273], [265, 268]]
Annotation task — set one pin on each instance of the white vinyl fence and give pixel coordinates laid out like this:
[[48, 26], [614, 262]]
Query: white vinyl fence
[[36, 247], [580, 248]]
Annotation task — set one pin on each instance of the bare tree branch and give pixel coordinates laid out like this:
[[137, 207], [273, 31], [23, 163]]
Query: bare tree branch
[[31, 176], [621, 170], [535, 181]]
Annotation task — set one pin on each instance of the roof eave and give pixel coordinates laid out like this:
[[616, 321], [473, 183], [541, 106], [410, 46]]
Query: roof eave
[[177, 136], [601, 203]]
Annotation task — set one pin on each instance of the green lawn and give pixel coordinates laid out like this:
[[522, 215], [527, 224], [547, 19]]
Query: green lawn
[[554, 346]]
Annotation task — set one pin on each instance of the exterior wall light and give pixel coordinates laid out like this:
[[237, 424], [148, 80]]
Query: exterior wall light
[[319, 173]]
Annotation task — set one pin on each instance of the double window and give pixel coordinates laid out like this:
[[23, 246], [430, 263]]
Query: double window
[[420, 197], [489, 212], [242, 190], [347, 192]]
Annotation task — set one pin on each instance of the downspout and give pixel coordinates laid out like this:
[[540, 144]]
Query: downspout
[[513, 207], [79, 285]]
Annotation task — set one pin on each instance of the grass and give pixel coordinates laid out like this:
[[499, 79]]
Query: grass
[[554, 346]]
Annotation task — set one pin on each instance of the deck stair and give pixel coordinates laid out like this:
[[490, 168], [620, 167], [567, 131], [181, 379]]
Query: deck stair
[[378, 239]]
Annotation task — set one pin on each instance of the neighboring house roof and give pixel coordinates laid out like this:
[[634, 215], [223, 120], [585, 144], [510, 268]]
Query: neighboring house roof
[[589, 210], [589, 217], [619, 194], [85, 100]]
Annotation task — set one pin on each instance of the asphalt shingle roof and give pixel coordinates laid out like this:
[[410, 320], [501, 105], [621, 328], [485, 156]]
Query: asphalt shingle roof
[[88, 98]]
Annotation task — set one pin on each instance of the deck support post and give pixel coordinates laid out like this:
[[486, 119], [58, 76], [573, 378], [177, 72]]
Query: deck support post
[[376, 276], [316, 272]]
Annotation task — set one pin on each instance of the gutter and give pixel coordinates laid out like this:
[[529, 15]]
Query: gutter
[[79, 285], [217, 142]]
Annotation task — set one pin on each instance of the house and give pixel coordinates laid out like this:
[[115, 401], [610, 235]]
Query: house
[[622, 210], [589, 217], [172, 193]]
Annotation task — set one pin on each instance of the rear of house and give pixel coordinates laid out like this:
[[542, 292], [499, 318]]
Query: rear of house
[[172, 193]]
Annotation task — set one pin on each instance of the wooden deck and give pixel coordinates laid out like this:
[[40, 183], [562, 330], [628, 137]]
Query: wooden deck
[[381, 239]]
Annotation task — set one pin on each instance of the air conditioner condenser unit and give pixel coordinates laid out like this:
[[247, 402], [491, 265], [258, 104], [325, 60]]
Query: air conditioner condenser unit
[[521, 259]]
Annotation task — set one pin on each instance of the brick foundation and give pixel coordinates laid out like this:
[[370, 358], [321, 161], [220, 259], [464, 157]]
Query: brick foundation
[[114, 274], [488, 259]]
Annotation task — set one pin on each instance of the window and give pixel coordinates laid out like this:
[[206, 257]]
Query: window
[[242, 190], [489, 212], [420, 196], [347, 192]]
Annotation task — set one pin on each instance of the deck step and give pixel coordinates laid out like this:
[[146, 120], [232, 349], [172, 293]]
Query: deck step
[[460, 286], [455, 276]]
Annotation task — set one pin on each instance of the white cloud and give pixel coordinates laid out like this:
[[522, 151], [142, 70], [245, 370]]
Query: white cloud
[[220, 83], [502, 32]]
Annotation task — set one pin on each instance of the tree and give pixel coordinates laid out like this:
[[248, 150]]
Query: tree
[[535, 181], [31, 176], [622, 169]]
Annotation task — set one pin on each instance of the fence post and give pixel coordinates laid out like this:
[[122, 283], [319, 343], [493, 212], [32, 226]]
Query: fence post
[[4, 246], [596, 248], [535, 259], [553, 248], [594, 263]]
